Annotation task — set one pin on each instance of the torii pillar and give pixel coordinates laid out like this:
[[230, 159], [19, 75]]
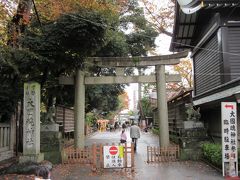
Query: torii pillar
[[162, 106], [79, 110]]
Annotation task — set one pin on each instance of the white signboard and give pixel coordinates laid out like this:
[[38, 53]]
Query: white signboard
[[229, 139], [113, 156]]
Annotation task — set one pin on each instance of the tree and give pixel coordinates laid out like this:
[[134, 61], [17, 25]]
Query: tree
[[146, 107], [184, 69], [160, 15], [73, 31], [123, 101], [54, 50], [7, 10], [141, 35]]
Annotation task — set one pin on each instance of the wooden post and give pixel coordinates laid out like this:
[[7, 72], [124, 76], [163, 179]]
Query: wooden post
[[167, 149], [147, 154], [70, 155], [178, 151], [125, 155], [151, 154], [132, 156], [12, 132], [154, 153], [94, 157], [101, 156], [5, 137], [64, 122]]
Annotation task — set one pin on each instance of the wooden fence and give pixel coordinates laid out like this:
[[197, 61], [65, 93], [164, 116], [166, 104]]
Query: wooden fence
[[4, 137], [165, 154], [94, 155], [7, 139], [73, 155]]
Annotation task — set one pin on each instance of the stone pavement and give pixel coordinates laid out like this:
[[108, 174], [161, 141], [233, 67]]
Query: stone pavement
[[181, 170]]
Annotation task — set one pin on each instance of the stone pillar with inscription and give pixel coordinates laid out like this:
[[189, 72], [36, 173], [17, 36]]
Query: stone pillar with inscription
[[31, 124]]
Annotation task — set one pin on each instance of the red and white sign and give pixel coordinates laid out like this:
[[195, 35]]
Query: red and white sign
[[113, 150], [113, 156], [229, 139]]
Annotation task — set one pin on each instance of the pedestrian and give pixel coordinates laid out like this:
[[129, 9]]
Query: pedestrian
[[123, 138], [43, 173], [134, 134], [124, 126], [115, 125]]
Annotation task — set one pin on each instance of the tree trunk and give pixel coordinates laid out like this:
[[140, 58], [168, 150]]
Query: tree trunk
[[19, 22]]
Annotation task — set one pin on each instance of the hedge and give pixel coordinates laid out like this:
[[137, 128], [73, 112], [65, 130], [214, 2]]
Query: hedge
[[213, 153]]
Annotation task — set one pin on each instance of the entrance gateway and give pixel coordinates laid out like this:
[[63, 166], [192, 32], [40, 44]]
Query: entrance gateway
[[120, 63]]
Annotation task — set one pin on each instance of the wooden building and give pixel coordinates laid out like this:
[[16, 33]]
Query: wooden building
[[213, 36], [177, 107]]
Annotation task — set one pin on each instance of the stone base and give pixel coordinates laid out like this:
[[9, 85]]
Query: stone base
[[6, 155], [32, 158], [52, 145], [190, 154], [49, 127]]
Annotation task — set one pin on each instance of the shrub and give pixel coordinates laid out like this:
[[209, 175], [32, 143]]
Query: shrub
[[155, 130], [213, 153]]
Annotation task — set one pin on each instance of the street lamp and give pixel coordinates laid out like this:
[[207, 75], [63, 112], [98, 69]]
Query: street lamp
[[190, 6]]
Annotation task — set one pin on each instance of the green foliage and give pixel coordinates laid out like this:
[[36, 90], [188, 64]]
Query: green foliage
[[61, 46], [102, 97], [213, 153], [90, 118], [16, 67], [146, 107], [116, 45], [155, 130], [174, 138], [142, 36], [58, 48], [67, 41]]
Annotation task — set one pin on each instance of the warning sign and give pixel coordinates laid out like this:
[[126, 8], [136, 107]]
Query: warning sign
[[113, 156]]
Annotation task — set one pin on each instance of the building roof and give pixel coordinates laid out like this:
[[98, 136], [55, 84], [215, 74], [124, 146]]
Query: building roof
[[185, 24], [171, 95]]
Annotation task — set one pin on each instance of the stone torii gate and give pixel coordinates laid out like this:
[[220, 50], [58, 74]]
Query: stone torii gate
[[120, 63]]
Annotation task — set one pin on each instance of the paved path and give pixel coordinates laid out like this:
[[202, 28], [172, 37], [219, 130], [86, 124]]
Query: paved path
[[182, 170]]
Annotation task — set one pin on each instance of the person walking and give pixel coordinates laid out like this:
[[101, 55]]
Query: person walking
[[123, 138], [134, 134], [124, 126]]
